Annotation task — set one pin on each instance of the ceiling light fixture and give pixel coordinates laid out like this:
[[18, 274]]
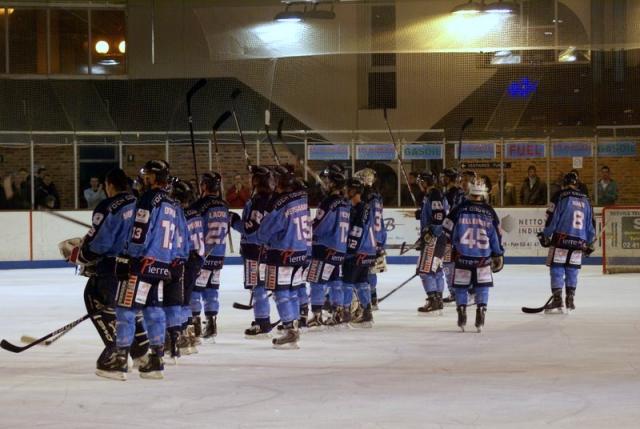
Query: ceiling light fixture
[[469, 8], [504, 7], [291, 15]]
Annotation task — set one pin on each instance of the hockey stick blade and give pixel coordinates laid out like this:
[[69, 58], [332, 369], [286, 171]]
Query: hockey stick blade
[[221, 120], [240, 306], [195, 88], [533, 310], [16, 349]]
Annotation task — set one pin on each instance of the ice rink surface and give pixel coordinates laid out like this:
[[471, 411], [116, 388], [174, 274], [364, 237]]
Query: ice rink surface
[[523, 371]]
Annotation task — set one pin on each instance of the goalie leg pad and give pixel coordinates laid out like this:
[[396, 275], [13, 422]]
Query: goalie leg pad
[[156, 322], [261, 306], [99, 302]]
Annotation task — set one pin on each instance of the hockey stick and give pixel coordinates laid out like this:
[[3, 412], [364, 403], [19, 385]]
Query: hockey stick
[[70, 219], [267, 124], [533, 310], [236, 92], [465, 125], [29, 339], [395, 148], [214, 130], [195, 88], [16, 349], [404, 249], [240, 306], [397, 287], [313, 174]]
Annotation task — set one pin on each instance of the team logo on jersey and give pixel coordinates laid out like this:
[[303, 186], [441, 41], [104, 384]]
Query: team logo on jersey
[[142, 216], [97, 218]]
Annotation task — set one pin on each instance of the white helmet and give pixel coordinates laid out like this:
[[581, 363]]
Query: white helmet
[[367, 176], [478, 188]]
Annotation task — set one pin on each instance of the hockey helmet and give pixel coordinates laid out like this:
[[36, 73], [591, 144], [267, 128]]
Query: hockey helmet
[[181, 191], [158, 167], [355, 184], [284, 176], [570, 179], [212, 182], [427, 179], [451, 173], [478, 188], [367, 176]]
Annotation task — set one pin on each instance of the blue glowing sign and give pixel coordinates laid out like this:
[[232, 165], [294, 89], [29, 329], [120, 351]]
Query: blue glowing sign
[[522, 88]]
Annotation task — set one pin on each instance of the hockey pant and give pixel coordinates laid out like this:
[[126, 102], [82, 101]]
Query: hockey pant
[[205, 293]]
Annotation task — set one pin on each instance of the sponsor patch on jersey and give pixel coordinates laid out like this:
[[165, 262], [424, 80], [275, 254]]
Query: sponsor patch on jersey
[[484, 274], [97, 218], [447, 224], [203, 278], [215, 278], [576, 257], [560, 256], [142, 216], [161, 291], [327, 270], [461, 277], [262, 268], [251, 272], [298, 277], [285, 275], [142, 292]]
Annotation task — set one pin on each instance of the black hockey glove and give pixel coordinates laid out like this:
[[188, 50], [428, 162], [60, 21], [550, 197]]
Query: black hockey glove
[[497, 263], [123, 266], [233, 218], [588, 249], [544, 240], [418, 214]]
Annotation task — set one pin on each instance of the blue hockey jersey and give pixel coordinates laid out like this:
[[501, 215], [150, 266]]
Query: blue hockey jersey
[[111, 225], [454, 195], [196, 231], [361, 239], [473, 228], [215, 221], [254, 211], [374, 200], [434, 209], [570, 221], [285, 230], [152, 236], [331, 228], [181, 237]]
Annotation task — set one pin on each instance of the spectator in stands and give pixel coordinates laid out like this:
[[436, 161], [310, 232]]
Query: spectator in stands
[[417, 192], [16, 191], [94, 193], [581, 186], [510, 198], [607, 188], [533, 191], [238, 194], [557, 185], [47, 196]]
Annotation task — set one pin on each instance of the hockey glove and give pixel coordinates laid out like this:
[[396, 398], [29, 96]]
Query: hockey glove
[[544, 240], [123, 266], [588, 249], [497, 263], [418, 214]]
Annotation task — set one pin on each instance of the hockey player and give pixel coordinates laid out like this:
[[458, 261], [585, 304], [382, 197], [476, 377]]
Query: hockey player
[[111, 224], [361, 255], [569, 233], [434, 209], [151, 252], [285, 232], [373, 198], [453, 193], [329, 244], [472, 227], [251, 250], [215, 219]]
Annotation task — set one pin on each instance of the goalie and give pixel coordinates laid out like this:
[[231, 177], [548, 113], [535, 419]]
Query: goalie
[[96, 256]]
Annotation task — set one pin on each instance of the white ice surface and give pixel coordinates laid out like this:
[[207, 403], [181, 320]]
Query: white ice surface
[[523, 371]]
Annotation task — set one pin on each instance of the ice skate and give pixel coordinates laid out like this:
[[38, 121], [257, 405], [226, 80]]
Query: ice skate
[[374, 301], [316, 323], [365, 320], [304, 316], [480, 312], [451, 299], [258, 331], [154, 367], [288, 340], [197, 331], [113, 364], [174, 349], [184, 343], [555, 306], [335, 318], [345, 317], [568, 300], [462, 316], [432, 307], [210, 329], [139, 361]]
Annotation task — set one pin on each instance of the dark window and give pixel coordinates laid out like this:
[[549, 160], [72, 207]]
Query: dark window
[[383, 60], [382, 90], [108, 27], [107, 153], [3, 40], [28, 41], [69, 41]]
